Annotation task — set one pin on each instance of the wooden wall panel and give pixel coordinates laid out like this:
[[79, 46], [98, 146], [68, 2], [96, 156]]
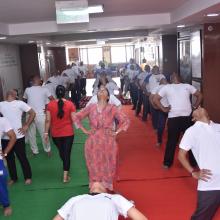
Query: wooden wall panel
[[29, 62], [211, 70]]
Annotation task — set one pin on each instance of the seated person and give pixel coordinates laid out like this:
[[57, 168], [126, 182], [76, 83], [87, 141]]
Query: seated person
[[98, 205]]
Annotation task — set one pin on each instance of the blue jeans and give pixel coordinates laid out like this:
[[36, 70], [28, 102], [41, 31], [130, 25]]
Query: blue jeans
[[161, 122], [4, 199]]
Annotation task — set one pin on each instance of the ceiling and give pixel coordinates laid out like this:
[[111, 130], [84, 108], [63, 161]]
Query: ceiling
[[25, 20]]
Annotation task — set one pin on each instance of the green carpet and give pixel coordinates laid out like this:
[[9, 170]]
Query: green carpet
[[40, 200]]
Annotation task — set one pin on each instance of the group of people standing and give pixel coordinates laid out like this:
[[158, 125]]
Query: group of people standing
[[166, 99], [177, 104], [55, 116]]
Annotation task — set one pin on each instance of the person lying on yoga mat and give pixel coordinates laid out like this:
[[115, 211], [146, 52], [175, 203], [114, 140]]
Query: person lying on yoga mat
[[98, 205]]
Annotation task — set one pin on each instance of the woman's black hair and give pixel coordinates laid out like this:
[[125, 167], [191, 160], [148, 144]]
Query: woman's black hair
[[60, 93], [101, 84], [107, 92]]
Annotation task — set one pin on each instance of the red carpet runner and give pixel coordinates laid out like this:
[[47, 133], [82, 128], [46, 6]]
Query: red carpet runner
[[160, 194]]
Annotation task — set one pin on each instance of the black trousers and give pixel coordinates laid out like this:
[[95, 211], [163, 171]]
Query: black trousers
[[161, 122], [122, 84], [176, 126], [76, 93], [139, 101], [19, 150], [154, 117], [64, 146], [134, 94], [207, 204], [146, 107], [83, 86]]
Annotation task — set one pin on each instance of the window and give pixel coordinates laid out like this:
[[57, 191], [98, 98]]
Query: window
[[118, 54], [83, 55], [129, 52], [94, 55]]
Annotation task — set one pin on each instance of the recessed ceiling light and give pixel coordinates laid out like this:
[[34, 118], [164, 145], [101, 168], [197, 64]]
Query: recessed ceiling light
[[181, 26], [95, 9], [48, 43], [31, 41], [212, 15], [3, 38]]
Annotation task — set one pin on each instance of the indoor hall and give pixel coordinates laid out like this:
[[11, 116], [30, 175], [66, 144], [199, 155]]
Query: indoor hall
[[43, 37]]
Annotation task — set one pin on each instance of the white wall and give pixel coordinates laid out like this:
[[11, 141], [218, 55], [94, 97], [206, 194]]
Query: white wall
[[10, 68]]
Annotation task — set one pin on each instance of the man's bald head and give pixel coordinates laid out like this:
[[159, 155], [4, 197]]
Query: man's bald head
[[11, 94], [175, 78], [199, 114]]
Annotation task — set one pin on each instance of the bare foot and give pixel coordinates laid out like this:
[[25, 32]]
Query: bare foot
[[49, 154], [7, 211], [28, 182], [66, 179], [11, 182], [158, 145]]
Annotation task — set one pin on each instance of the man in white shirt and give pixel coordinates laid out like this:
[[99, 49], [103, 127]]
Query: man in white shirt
[[140, 81], [161, 116], [132, 75], [179, 113], [76, 89], [154, 81], [98, 205], [37, 98], [5, 128], [203, 139], [83, 71], [155, 78], [13, 109]]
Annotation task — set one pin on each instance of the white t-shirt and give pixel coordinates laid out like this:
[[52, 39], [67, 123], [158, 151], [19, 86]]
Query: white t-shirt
[[56, 80], [112, 100], [13, 112], [37, 98], [52, 88], [142, 77], [132, 74], [164, 100], [84, 70], [154, 81], [76, 71], [204, 141], [68, 76], [102, 206], [178, 96], [4, 128]]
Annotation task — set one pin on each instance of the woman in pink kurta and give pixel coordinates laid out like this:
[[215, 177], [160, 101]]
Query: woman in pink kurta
[[101, 147]]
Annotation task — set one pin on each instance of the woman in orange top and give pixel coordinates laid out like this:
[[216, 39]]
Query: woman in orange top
[[59, 119]]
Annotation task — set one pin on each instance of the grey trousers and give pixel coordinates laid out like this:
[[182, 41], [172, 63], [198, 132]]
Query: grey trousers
[[207, 204]]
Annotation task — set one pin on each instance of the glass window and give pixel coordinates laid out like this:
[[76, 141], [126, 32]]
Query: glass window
[[118, 54], [94, 55], [83, 55], [129, 52]]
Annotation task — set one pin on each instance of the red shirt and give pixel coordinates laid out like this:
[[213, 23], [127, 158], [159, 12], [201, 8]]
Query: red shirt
[[61, 127]]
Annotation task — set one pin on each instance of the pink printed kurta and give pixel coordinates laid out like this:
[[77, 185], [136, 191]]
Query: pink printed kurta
[[100, 147]]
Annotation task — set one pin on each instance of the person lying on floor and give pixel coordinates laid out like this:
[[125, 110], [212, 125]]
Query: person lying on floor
[[98, 205]]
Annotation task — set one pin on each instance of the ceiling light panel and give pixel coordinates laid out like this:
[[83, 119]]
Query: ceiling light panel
[[72, 11]]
